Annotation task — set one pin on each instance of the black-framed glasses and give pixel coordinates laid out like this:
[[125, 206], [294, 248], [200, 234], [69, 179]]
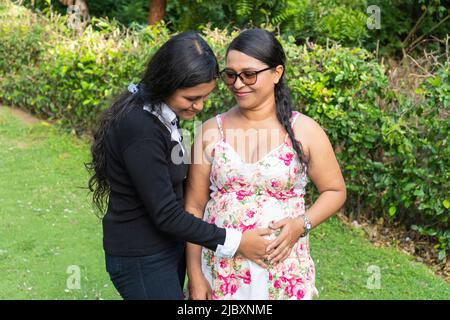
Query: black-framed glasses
[[248, 77]]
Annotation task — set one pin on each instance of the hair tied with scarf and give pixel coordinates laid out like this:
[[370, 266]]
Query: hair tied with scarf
[[133, 88]]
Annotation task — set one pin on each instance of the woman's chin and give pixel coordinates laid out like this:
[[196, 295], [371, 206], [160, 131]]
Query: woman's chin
[[188, 115], [244, 105]]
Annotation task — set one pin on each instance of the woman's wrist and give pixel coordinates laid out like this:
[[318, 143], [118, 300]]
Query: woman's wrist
[[306, 225], [299, 226], [194, 273]]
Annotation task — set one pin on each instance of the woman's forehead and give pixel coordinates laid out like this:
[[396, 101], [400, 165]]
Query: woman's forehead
[[199, 90], [237, 60]]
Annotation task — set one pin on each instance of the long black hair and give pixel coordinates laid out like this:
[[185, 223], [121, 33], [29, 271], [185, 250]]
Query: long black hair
[[184, 61], [263, 46]]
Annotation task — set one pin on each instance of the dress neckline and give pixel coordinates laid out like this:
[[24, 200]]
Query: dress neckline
[[219, 119], [259, 160]]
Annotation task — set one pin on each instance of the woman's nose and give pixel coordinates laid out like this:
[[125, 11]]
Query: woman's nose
[[198, 105], [238, 84]]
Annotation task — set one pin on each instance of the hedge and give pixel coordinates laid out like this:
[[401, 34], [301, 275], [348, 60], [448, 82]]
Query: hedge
[[393, 152]]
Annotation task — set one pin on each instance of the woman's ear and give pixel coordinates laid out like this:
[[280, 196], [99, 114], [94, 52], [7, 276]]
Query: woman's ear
[[279, 70]]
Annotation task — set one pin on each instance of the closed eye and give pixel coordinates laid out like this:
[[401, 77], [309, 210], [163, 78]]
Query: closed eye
[[192, 99], [249, 74]]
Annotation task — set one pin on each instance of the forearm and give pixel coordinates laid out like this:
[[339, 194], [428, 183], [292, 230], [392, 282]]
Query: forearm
[[193, 251], [328, 203], [193, 260]]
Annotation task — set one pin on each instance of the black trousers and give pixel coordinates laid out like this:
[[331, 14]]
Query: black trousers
[[156, 277]]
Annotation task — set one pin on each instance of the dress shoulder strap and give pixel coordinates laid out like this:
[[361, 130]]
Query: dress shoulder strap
[[294, 117], [219, 119]]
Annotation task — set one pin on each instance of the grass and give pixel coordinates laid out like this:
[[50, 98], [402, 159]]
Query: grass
[[47, 221], [49, 229]]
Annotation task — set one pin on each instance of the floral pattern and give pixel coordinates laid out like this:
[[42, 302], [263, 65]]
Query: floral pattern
[[245, 196]]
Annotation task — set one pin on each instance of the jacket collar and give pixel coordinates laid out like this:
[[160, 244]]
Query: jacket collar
[[166, 114]]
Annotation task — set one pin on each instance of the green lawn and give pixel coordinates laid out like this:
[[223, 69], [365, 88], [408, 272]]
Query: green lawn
[[48, 226]]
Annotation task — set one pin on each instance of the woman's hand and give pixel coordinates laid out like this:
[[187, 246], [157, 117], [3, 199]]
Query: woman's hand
[[281, 247], [199, 288], [253, 245]]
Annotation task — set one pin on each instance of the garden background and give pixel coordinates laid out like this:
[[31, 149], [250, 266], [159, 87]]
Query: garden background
[[374, 75]]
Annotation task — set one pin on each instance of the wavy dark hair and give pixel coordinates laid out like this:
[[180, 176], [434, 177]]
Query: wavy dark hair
[[184, 61], [263, 46]]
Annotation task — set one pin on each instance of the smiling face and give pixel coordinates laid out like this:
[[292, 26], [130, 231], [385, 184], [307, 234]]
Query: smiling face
[[187, 102], [251, 96]]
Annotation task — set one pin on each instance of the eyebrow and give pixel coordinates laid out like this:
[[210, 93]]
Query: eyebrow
[[244, 69], [197, 97]]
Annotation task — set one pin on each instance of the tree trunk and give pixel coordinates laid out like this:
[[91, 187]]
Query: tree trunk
[[82, 6], [157, 11]]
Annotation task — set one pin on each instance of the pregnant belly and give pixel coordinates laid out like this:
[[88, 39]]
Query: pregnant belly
[[256, 211]]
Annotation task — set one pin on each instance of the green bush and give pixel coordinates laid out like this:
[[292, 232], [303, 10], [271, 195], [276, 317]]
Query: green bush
[[393, 152], [53, 72]]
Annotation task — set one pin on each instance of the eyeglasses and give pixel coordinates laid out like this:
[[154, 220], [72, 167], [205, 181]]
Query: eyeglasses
[[247, 77]]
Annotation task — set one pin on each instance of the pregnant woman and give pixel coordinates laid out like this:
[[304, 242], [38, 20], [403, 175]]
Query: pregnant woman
[[251, 166]]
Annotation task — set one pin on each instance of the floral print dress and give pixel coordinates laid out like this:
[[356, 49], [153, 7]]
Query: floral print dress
[[250, 195]]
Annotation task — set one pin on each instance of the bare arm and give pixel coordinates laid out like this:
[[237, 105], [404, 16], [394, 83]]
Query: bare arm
[[326, 175], [197, 196]]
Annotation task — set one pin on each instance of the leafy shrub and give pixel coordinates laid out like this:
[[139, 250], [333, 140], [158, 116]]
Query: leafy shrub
[[394, 152], [60, 75]]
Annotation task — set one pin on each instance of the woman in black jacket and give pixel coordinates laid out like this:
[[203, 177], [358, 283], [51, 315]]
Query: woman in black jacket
[[138, 176]]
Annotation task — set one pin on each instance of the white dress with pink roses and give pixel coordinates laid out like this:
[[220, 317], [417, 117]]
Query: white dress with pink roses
[[251, 195]]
